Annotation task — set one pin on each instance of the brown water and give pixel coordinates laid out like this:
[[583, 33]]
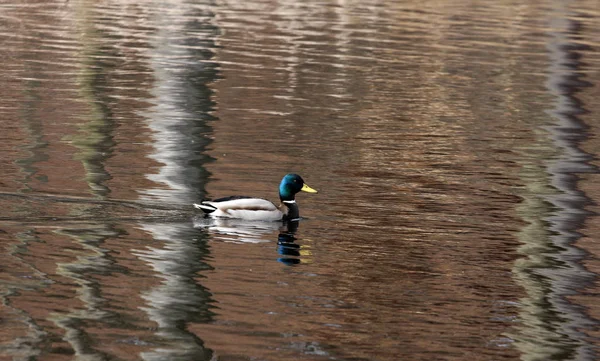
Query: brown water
[[455, 146]]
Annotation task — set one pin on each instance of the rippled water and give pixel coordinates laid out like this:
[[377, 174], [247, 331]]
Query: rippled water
[[454, 144]]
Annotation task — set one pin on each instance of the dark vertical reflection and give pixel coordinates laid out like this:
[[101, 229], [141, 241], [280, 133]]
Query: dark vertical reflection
[[99, 60], [553, 327], [91, 260], [95, 140], [30, 345], [179, 121], [35, 130]]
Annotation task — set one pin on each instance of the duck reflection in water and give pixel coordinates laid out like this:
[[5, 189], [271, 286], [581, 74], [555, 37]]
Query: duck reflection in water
[[241, 231], [286, 244]]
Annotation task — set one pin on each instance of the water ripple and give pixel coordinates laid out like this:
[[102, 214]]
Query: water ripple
[[451, 143]]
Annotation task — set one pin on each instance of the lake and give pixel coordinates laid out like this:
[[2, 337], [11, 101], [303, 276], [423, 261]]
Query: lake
[[454, 145]]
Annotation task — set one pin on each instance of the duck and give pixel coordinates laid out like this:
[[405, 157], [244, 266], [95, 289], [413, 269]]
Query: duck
[[259, 209]]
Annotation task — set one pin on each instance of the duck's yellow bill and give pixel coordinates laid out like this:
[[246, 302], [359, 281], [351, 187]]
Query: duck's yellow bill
[[306, 188]]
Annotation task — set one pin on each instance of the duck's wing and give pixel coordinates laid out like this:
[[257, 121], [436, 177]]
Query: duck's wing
[[211, 206], [241, 207], [231, 198], [241, 203]]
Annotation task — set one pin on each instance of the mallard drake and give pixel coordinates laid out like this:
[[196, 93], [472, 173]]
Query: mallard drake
[[258, 209]]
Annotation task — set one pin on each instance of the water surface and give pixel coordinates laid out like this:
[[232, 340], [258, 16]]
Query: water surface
[[454, 145]]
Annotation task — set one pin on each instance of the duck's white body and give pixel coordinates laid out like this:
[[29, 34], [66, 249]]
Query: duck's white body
[[251, 209]]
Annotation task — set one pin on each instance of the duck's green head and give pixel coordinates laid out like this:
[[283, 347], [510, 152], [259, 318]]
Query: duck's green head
[[292, 184]]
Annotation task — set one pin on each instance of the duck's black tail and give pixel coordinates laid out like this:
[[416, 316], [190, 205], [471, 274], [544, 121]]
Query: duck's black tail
[[205, 207]]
